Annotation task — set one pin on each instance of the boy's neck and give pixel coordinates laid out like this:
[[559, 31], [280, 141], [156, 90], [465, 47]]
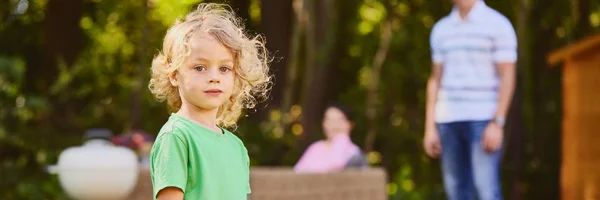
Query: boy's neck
[[202, 117]]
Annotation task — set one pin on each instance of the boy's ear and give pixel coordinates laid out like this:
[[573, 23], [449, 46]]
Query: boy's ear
[[173, 78]]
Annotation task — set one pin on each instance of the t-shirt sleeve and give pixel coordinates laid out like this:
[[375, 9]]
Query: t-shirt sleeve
[[169, 163], [505, 43], [437, 54], [248, 188]]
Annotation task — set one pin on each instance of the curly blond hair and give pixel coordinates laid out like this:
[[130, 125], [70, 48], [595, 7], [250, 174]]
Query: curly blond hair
[[252, 81]]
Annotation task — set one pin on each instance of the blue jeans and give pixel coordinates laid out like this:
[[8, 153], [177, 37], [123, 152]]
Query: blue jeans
[[466, 166]]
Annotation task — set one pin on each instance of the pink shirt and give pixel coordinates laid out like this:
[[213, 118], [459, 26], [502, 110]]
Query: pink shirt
[[320, 157]]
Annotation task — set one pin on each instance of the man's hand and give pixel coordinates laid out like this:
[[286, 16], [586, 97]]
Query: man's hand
[[492, 138], [431, 141], [432, 144]]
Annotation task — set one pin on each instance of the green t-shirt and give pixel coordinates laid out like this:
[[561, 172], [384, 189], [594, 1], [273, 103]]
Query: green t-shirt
[[205, 164]]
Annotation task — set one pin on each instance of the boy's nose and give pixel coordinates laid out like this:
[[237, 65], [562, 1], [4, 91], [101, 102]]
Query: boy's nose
[[214, 77], [214, 80]]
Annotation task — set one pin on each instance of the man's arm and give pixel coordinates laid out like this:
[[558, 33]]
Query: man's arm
[[433, 86], [505, 57], [431, 141], [507, 74], [494, 134], [433, 83]]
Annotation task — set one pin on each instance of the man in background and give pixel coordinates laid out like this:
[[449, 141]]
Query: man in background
[[474, 50]]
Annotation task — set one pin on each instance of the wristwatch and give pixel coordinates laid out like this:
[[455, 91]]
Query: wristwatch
[[500, 121]]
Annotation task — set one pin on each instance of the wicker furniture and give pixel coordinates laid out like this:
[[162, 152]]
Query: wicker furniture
[[284, 184]]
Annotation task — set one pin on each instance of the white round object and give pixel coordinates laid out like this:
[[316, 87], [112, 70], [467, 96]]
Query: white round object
[[97, 171]]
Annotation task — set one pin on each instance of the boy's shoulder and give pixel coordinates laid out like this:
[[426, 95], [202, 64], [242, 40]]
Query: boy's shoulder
[[239, 143], [173, 126], [234, 137]]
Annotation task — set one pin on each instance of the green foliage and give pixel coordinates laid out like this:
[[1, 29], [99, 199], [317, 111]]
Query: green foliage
[[40, 119]]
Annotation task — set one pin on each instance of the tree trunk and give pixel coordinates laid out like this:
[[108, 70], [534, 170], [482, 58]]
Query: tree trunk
[[515, 130], [545, 92], [371, 111], [42, 69], [299, 23], [276, 17], [318, 47], [337, 82], [139, 80], [59, 26], [580, 15]]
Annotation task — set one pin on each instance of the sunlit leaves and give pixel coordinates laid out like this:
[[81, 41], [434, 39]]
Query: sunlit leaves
[[167, 11], [254, 10], [372, 13], [11, 75], [402, 9], [427, 21], [85, 23], [364, 76], [595, 19], [16, 104]]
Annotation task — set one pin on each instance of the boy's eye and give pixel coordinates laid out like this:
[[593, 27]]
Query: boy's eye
[[224, 69], [200, 68]]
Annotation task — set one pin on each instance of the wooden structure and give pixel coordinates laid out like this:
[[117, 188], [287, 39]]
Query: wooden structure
[[580, 170], [285, 184]]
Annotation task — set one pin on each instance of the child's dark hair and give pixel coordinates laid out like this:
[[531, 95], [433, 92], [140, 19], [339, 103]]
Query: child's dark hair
[[346, 110]]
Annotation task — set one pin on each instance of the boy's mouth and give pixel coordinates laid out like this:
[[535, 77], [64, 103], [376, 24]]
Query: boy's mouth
[[213, 92]]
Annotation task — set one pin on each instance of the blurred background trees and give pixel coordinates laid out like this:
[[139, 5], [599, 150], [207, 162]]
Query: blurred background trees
[[70, 65]]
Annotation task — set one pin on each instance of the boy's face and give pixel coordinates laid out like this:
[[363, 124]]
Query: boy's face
[[205, 79]]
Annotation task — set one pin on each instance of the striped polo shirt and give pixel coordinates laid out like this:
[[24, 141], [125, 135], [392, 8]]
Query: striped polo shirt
[[469, 49]]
